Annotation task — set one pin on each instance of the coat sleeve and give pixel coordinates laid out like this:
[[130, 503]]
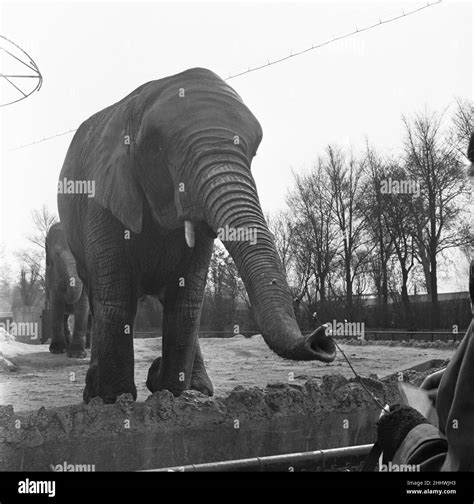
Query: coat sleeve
[[449, 447], [424, 446]]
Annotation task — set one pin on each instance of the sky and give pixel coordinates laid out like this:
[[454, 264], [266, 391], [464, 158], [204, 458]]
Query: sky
[[92, 54]]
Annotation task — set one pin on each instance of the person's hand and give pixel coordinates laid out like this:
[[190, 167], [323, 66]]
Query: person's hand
[[394, 426], [431, 384]]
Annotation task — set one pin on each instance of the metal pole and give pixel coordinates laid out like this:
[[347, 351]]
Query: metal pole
[[275, 462]]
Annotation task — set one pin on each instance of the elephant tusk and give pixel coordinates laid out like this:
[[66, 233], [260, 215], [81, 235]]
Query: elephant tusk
[[189, 233]]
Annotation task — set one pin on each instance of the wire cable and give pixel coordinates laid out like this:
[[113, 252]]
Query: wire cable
[[279, 60], [359, 378]]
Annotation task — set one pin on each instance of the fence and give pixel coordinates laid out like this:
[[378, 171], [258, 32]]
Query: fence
[[411, 335], [374, 335]]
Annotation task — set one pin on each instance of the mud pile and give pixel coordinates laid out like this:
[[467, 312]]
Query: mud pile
[[413, 376], [167, 431]]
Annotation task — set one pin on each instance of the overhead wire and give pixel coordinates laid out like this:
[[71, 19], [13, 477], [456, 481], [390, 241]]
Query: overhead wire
[[279, 60]]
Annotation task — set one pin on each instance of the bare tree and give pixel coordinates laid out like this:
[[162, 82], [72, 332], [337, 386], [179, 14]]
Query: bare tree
[[280, 224], [346, 184], [374, 207], [43, 219], [433, 162], [400, 223], [462, 124], [297, 269], [314, 232], [33, 258], [225, 290], [28, 286], [303, 285]]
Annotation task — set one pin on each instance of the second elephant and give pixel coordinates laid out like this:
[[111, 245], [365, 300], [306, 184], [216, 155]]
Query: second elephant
[[66, 296]]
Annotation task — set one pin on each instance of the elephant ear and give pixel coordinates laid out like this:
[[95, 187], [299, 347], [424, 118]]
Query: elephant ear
[[112, 164]]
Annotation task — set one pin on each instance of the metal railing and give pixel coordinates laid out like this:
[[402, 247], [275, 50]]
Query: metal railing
[[375, 335], [320, 460], [411, 335]]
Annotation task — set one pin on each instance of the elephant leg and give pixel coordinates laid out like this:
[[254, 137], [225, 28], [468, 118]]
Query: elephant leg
[[200, 380], [182, 306], [77, 347], [111, 370], [58, 318]]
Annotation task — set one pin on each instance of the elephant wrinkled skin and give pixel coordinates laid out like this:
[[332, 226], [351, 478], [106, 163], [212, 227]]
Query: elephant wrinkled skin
[[170, 165]]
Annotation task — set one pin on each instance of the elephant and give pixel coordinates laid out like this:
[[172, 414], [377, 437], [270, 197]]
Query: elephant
[[169, 170], [66, 296]]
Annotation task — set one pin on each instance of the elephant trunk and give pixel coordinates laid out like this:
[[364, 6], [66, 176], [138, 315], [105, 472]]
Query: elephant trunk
[[233, 211], [73, 282]]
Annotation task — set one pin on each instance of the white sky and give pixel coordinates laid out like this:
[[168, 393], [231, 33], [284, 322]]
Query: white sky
[[92, 54]]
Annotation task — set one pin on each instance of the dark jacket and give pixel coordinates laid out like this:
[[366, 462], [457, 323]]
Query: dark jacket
[[451, 446]]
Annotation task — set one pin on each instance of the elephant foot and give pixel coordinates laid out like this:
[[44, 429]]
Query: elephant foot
[[109, 391], [153, 379], [57, 348], [200, 381], [76, 353]]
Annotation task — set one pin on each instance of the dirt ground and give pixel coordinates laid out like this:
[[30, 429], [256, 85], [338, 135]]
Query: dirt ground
[[44, 379]]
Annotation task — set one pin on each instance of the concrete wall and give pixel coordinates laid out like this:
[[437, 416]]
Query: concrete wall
[[167, 431]]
